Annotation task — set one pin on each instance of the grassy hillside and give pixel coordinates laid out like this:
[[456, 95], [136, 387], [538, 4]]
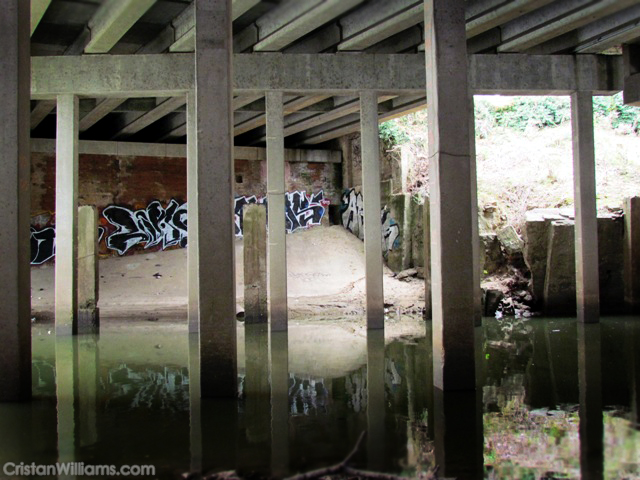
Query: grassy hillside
[[524, 153]]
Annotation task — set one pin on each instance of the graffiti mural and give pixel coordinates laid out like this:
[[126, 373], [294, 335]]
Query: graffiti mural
[[352, 209], [304, 211], [164, 227], [151, 226], [43, 245]]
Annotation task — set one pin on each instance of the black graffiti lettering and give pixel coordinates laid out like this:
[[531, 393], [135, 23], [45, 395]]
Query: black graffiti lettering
[[43, 245]]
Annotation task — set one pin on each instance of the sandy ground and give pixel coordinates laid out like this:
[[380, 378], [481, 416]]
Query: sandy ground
[[326, 277]]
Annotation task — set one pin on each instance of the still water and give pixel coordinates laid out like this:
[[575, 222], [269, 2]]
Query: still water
[[557, 400]]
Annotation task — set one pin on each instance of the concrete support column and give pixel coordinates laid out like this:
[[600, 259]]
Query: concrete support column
[[192, 217], [255, 264], [452, 207], [426, 226], [478, 266], [586, 226], [66, 274], [214, 202], [369, 135], [276, 203], [15, 174], [88, 283], [632, 254]]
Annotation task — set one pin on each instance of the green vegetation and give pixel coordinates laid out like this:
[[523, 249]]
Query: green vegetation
[[524, 153]]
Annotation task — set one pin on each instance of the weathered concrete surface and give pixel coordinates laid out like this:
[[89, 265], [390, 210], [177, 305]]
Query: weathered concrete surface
[[452, 207], [88, 277], [67, 215], [560, 276], [255, 264], [586, 227], [537, 252], [15, 325], [426, 251], [371, 196], [214, 198], [170, 75], [278, 308], [632, 253]]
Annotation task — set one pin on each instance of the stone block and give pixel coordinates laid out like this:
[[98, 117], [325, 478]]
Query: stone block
[[255, 264], [632, 253], [560, 275]]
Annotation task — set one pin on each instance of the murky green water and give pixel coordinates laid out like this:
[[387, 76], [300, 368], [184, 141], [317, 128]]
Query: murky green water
[[557, 401]]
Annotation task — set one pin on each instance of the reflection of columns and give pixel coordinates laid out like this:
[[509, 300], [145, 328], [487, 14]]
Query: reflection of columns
[[586, 225], [275, 200], [88, 283], [88, 381], [66, 295], [591, 421], [195, 418], [279, 404], [375, 401], [256, 393], [214, 200], [459, 440], [65, 393], [428, 380], [15, 155], [369, 134], [452, 213], [192, 216]]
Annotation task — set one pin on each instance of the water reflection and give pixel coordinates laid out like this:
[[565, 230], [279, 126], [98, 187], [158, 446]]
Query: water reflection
[[556, 398]]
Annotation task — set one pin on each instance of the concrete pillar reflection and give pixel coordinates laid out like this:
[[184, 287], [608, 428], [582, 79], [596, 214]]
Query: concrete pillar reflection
[[88, 388], [65, 360], [88, 278], [586, 223], [376, 405], [66, 274], [276, 202], [15, 174], [257, 408], [591, 426], [452, 207], [369, 134], [195, 417], [459, 439], [254, 226], [214, 199], [279, 404]]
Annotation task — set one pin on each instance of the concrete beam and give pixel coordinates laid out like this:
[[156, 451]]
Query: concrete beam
[[38, 8], [102, 109], [306, 74], [40, 112], [596, 37], [483, 15], [112, 21], [165, 108], [378, 20], [214, 201], [554, 20], [350, 124], [66, 267], [292, 20], [586, 225], [289, 107], [15, 168]]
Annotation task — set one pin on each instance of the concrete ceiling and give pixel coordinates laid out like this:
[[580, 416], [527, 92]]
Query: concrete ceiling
[[349, 27]]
